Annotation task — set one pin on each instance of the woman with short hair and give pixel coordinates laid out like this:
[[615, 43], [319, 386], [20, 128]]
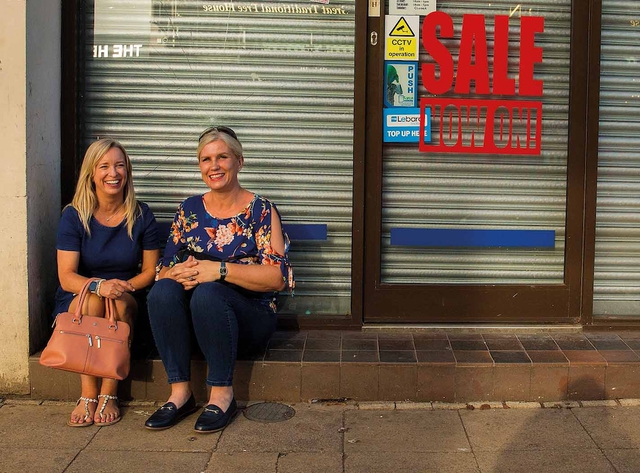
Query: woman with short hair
[[225, 260]]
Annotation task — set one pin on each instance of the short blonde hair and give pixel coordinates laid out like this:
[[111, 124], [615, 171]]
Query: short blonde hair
[[214, 135], [85, 199]]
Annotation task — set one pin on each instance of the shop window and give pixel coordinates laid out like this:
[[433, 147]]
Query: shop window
[[155, 73]]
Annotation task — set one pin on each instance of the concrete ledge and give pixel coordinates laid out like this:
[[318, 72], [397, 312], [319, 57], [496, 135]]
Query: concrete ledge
[[412, 369], [288, 382]]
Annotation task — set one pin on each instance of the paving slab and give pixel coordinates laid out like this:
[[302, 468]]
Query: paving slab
[[310, 463], [376, 406], [629, 402], [544, 461], [404, 431], [99, 461], [625, 461], [612, 427], [330, 437], [130, 434], [525, 429], [35, 426], [246, 462], [410, 462], [27, 460], [312, 429]]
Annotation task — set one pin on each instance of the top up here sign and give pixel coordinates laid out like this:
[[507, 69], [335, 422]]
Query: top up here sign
[[402, 125]]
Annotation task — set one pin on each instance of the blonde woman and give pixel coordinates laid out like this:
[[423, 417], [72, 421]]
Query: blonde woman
[[225, 260], [104, 233]]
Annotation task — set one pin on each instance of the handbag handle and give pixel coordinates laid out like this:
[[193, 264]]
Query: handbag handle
[[109, 306]]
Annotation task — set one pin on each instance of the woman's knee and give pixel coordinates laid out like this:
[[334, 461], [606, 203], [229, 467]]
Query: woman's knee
[[165, 291], [209, 296], [126, 308], [93, 306]]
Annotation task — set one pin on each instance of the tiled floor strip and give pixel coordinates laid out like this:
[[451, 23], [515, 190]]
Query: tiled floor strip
[[421, 366]]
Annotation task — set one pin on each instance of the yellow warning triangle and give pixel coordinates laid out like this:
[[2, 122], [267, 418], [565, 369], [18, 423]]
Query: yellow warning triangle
[[402, 28]]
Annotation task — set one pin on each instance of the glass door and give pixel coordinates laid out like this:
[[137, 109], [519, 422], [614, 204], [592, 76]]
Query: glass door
[[469, 221]]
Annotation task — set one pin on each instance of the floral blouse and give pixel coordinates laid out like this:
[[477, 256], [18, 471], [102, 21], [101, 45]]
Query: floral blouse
[[244, 239]]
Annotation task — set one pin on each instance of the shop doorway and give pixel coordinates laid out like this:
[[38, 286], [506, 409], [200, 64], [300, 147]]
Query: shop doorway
[[476, 237]]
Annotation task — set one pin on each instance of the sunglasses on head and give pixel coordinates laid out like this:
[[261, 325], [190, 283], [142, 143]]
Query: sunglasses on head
[[220, 129]]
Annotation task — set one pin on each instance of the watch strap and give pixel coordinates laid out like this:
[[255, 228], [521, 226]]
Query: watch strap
[[93, 285], [223, 271]]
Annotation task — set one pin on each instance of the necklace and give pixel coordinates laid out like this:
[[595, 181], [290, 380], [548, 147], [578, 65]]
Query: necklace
[[117, 211]]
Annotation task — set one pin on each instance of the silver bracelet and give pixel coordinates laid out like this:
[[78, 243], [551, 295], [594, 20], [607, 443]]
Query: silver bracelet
[[100, 281]]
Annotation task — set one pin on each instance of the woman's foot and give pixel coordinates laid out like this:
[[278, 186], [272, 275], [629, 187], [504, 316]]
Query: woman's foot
[[169, 414], [108, 412], [221, 396], [213, 419], [83, 414], [180, 398]]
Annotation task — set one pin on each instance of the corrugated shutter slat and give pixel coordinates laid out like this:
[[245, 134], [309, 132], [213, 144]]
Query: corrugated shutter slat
[[616, 289], [283, 81], [430, 190]]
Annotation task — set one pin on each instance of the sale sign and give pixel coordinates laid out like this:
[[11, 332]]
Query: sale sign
[[508, 122]]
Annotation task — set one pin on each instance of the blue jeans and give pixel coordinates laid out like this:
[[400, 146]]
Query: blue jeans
[[223, 321]]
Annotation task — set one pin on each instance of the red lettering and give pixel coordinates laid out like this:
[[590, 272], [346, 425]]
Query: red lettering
[[501, 82], [471, 126], [530, 55], [473, 36], [501, 139], [510, 126], [473, 60], [451, 135], [438, 52]]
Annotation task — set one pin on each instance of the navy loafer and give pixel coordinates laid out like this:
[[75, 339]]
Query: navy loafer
[[213, 419], [169, 415]]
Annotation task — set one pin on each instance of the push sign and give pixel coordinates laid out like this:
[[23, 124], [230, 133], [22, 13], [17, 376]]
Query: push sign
[[400, 84], [402, 125]]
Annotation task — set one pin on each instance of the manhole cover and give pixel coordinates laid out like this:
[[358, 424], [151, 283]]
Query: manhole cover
[[269, 412]]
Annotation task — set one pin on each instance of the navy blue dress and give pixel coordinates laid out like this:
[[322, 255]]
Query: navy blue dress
[[108, 253]]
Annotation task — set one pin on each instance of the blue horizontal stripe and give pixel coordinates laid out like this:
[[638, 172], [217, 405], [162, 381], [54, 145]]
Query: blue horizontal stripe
[[306, 231], [452, 237]]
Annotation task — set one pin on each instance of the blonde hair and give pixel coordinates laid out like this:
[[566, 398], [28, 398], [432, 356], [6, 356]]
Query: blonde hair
[[214, 135], [85, 200]]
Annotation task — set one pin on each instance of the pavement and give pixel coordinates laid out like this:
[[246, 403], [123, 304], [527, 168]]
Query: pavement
[[335, 436]]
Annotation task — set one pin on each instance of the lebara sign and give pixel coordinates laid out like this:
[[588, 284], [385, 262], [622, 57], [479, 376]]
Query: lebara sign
[[402, 125], [500, 125]]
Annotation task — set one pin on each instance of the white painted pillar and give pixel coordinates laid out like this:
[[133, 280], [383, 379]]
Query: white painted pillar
[[29, 181]]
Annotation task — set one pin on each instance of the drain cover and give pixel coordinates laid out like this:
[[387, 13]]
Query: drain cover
[[267, 412]]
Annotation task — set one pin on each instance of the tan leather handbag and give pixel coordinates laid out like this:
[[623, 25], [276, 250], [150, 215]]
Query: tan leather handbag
[[89, 345]]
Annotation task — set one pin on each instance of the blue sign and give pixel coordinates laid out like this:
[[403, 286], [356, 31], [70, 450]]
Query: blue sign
[[403, 125]]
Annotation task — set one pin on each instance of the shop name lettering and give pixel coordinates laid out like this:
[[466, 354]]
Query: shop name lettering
[[277, 8], [117, 50], [497, 125]]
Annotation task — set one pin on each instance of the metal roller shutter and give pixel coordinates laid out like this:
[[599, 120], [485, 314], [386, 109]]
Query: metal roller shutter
[[617, 266], [283, 79], [431, 190]]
